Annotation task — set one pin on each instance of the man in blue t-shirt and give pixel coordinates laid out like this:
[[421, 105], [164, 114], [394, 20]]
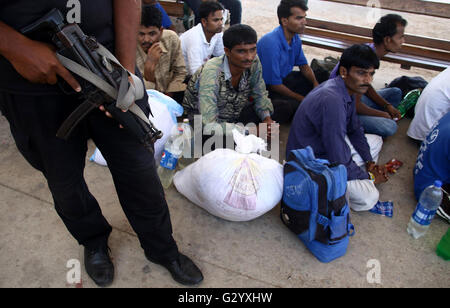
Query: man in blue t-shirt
[[280, 51], [433, 163]]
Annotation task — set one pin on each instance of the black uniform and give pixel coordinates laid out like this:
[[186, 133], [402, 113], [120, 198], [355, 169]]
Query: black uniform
[[35, 113]]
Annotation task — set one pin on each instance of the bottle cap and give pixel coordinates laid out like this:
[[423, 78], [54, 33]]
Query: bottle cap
[[438, 184]]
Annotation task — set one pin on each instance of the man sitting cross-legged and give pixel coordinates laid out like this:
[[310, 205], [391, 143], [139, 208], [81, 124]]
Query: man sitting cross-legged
[[204, 40], [327, 117], [159, 56], [230, 89], [280, 51]]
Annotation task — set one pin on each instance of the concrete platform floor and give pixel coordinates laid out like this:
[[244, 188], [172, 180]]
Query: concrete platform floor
[[35, 246]]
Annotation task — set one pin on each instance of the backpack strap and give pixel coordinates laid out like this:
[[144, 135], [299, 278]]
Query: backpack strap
[[322, 220]]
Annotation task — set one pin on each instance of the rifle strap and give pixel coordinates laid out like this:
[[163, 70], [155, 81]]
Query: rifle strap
[[127, 93]]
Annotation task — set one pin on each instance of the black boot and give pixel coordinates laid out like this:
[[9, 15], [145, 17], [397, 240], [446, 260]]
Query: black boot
[[99, 266], [183, 270]]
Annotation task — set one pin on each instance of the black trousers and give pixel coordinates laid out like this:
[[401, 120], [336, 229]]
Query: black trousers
[[34, 121], [285, 107]]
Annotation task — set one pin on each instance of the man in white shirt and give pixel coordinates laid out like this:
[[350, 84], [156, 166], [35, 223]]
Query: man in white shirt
[[433, 104], [205, 39]]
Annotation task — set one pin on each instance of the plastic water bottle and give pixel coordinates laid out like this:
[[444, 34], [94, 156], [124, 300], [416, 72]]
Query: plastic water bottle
[[187, 157], [443, 248], [409, 101], [172, 152], [429, 202]]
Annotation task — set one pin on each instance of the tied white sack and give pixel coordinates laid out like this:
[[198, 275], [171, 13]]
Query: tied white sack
[[164, 110], [234, 185]]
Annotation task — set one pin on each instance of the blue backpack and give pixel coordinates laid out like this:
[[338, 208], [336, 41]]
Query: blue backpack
[[314, 205]]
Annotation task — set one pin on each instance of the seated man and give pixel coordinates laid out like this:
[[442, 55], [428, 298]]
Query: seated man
[[166, 22], [433, 163], [377, 109], [433, 103], [230, 89], [281, 50], [327, 116], [159, 55], [205, 39], [234, 6]]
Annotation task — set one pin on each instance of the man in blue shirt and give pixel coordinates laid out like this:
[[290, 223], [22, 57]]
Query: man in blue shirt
[[433, 163], [281, 50], [328, 115]]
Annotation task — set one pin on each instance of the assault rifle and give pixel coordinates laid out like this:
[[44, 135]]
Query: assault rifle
[[103, 79]]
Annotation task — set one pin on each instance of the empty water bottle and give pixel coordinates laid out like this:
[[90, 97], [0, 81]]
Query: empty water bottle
[[429, 202], [188, 155], [172, 152]]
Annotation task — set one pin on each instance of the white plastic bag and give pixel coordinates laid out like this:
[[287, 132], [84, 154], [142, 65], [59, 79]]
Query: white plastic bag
[[231, 185], [175, 109], [162, 118]]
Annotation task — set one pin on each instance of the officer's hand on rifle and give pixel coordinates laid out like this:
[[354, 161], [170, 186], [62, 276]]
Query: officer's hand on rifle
[[35, 61]]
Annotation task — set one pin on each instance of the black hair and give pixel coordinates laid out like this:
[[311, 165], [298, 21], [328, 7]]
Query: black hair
[[359, 55], [209, 7], [239, 34], [387, 27], [284, 8], [151, 16]]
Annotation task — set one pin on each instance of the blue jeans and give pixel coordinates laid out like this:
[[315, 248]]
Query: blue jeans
[[378, 125]]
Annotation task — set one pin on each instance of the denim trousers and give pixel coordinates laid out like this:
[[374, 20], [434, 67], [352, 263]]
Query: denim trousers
[[378, 125]]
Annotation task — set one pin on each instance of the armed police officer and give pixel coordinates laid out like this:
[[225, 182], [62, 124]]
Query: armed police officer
[[35, 108]]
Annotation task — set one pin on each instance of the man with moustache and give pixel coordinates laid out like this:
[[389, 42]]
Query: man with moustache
[[377, 110], [327, 117], [280, 51], [159, 56], [205, 39], [230, 89]]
